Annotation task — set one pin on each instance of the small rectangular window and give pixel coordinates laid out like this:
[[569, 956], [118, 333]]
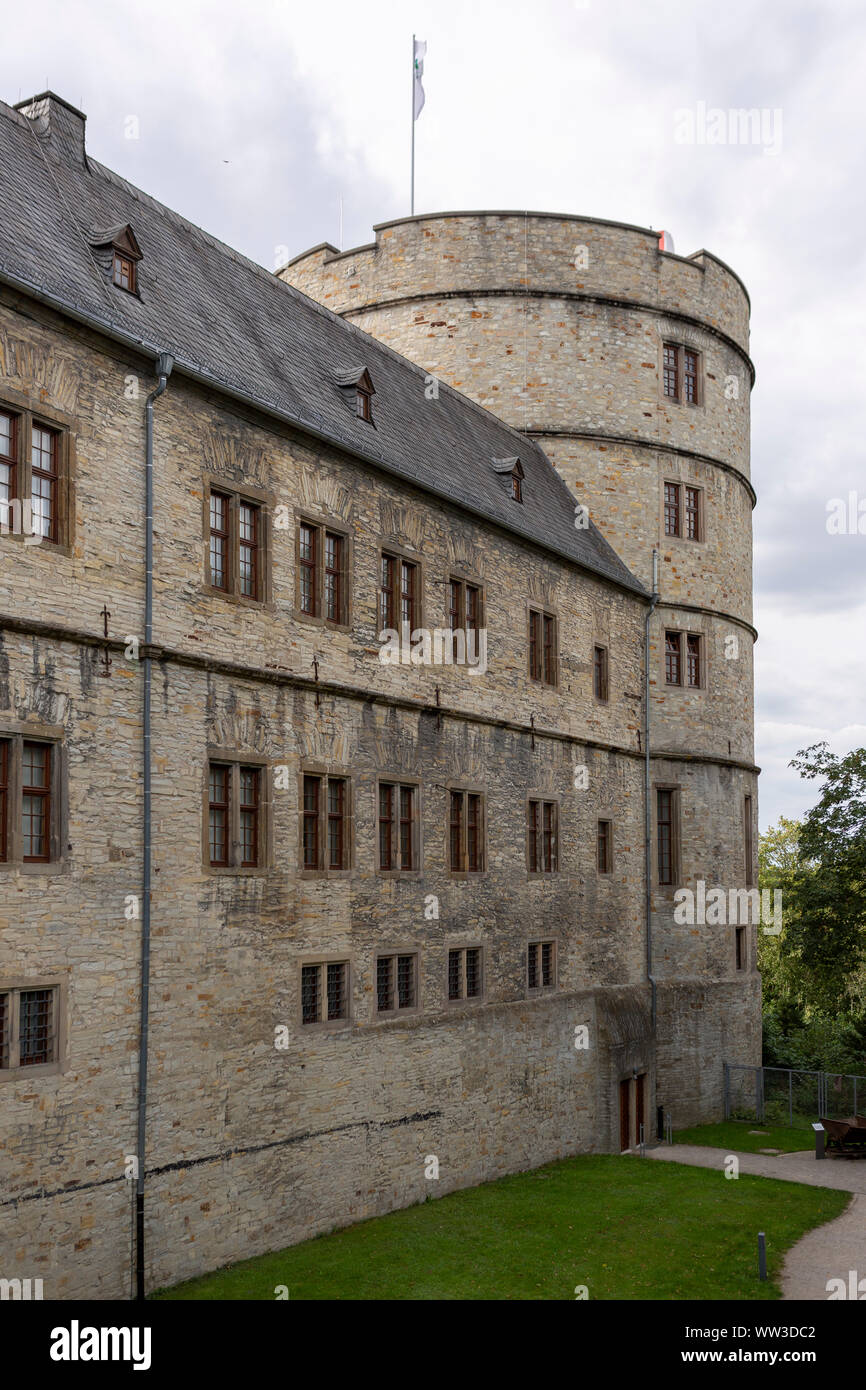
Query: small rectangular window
[[249, 816], [396, 987], [466, 832], [312, 795], [334, 569], [235, 545], [325, 992], [398, 827], [218, 814], [4, 799], [740, 947], [605, 847], [672, 509], [123, 272], [667, 835], [599, 673], [749, 847], [337, 822], [693, 514], [29, 1027], [36, 802], [542, 647], [543, 836], [8, 465], [693, 660], [671, 371], [464, 973], [690, 376], [464, 606], [540, 965], [673, 659], [44, 481]]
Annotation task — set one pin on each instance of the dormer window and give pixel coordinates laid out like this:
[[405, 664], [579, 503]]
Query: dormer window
[[512, 470], [124, 272], [358, 391], [119, 253], [364, 404]]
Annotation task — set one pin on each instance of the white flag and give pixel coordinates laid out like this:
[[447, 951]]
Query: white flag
[[420, 50]]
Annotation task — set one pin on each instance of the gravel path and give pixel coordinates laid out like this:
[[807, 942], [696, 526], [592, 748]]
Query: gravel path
[[828, 1252]]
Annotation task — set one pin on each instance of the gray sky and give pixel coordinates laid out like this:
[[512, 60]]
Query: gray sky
[[254, 120]]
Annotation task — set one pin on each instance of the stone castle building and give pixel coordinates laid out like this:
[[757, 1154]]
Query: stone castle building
[[354, 921]]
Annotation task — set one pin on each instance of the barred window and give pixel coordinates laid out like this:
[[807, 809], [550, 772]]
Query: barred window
[[540, 965], [542, 646], [325, 992], [235, 545], [235, 816], [29, 1027], [398, 827], [396, 983], [466, 832], [464, 973], [543, 837]]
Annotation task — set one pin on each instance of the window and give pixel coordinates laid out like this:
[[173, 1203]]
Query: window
[[398, 592], [605, 847], [464, 973], [464, 606], [516, 488], [235, 545], [599, 673], [29, 1027], [33, 477], [682, 510], [235, 816], [322, 573], [123, 272], [674, 661], [29, 786], [541, 965], [667, 832], [466, 832], [398, 827], [364, 404], [748, 841], [740, 947], [543, 836], [325, 992], [542, 646], [681, 373], [325, 823], [396, 983]]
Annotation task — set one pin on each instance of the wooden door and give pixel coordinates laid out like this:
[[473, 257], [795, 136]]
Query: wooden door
[[624, 1115]]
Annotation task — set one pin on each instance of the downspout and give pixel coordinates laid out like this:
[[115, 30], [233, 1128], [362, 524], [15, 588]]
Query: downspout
[[647, 796], [164, 366]]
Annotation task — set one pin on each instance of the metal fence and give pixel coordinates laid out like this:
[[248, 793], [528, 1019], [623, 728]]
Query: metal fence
[[784, 1096]]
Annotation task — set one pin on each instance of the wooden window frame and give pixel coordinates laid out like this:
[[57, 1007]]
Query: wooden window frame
[[684, 641], [321, 964], [118, 261], [679, 395], [324, 529], [675, 841], [12, 989], [687, 508], [457, 616], [322, 816], [396, 557], [398, 785], [601, 674], [537, 946], [470, 798], [541, 622], [537, 833], [12, 743], [604, 848], [236, 761], [462, 998], [236, 498], [395, 956], [22, 472]]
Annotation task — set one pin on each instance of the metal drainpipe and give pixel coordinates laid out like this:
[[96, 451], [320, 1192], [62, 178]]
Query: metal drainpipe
[[647, 797], [164, 366]]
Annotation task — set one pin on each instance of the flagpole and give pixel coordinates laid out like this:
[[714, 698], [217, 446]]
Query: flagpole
[[412, 177]]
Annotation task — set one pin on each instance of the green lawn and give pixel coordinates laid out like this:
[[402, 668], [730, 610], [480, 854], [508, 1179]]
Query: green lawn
[[627, 1228], [734, 1136]]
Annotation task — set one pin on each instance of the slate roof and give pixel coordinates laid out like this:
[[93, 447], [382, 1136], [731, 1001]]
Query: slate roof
[[230, 322]]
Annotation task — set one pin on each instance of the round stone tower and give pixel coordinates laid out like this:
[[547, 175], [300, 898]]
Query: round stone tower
[[630, 365]]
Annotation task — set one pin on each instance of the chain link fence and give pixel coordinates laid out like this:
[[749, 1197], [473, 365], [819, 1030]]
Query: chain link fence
[[784, 1096]]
